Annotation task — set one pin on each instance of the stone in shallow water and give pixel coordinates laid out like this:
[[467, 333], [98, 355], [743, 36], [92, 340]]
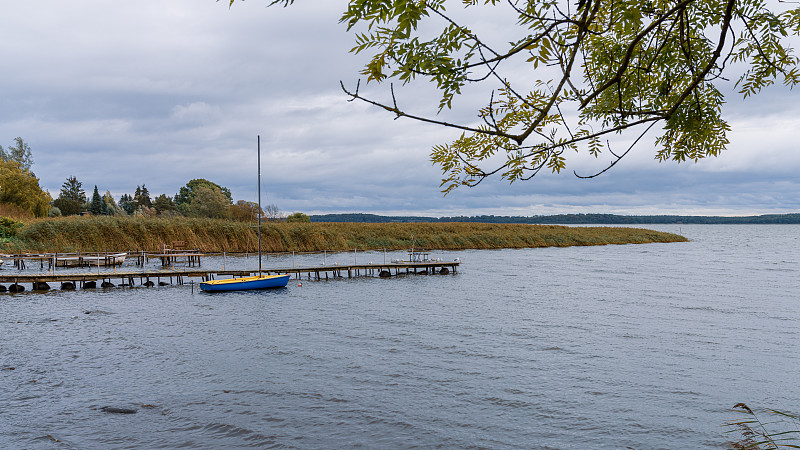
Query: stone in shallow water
[[113, 410], [40, 286]]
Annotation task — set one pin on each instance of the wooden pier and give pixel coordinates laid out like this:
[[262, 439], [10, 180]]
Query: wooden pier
[[128, 278], [168, 257]]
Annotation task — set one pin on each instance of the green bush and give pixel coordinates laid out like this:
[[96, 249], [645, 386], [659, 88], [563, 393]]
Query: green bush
[[9, 227], [298, 217]]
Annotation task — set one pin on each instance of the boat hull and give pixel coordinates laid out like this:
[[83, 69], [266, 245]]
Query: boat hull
[[246, 284]]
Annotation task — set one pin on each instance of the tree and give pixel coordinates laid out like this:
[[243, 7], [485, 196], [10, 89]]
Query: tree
[[188, 192], [21, 188], [298, 217], [72, 189], [108, 199], [145, 211], [142, 197], [163, 204], [97, 205], [68, 207], [243, 211], [272, 212], [72, 198], [575, 75], [209, 202], [19, 152], [126, 203]]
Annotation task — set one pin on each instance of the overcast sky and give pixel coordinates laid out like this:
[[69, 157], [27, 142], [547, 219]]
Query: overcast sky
[[121, 94]]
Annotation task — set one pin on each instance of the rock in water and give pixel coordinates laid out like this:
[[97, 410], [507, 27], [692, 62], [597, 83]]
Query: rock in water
[[40, 286], [113, 410]]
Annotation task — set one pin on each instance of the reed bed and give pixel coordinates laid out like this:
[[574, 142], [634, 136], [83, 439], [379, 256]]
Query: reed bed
[[14, 212], [93, 234]]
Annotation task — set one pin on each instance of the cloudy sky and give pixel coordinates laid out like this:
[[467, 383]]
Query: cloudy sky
[[121, 94]]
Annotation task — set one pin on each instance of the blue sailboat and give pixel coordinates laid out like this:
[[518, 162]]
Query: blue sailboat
[[246, 283], [259, 281]]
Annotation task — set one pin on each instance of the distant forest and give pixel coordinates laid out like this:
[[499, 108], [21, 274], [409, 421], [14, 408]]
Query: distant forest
[[567, 219]]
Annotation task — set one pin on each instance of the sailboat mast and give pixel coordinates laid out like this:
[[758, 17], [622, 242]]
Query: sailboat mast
[[259, 205]]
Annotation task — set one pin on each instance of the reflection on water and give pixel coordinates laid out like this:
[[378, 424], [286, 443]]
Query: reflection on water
[[642, 346]]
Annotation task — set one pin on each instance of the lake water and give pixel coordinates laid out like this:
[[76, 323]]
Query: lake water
[[642, 346]]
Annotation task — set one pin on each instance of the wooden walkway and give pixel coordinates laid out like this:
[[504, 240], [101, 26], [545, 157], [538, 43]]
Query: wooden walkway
[[39, 281], [168, 257]]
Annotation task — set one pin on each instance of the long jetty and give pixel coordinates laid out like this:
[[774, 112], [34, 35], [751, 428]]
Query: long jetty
[[72, 280]]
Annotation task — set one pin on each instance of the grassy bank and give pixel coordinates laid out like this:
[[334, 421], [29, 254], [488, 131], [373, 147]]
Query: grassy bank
[[88, 234]]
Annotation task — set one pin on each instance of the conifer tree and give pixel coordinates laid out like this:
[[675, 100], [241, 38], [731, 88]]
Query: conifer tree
[[126, 203], [145, 198], [97, 204], [72, 198], [142, 197]]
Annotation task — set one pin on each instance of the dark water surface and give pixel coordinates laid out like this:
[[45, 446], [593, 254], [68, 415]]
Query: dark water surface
[[642, 346]]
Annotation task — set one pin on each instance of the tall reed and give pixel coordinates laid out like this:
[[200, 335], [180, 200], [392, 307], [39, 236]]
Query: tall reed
[[13, 211], [780, 430]]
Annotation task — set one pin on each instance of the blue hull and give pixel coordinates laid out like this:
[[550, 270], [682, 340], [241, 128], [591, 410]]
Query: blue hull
[[246, 284]]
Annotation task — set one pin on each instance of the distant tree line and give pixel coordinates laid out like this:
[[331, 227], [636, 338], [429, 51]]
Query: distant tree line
[[198, 198], [568, 219], [22, 196]]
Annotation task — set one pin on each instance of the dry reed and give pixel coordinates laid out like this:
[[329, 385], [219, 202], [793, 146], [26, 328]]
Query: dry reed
[[90, 234]]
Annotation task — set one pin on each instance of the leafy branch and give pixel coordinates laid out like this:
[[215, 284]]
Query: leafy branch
[[568, 78]]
